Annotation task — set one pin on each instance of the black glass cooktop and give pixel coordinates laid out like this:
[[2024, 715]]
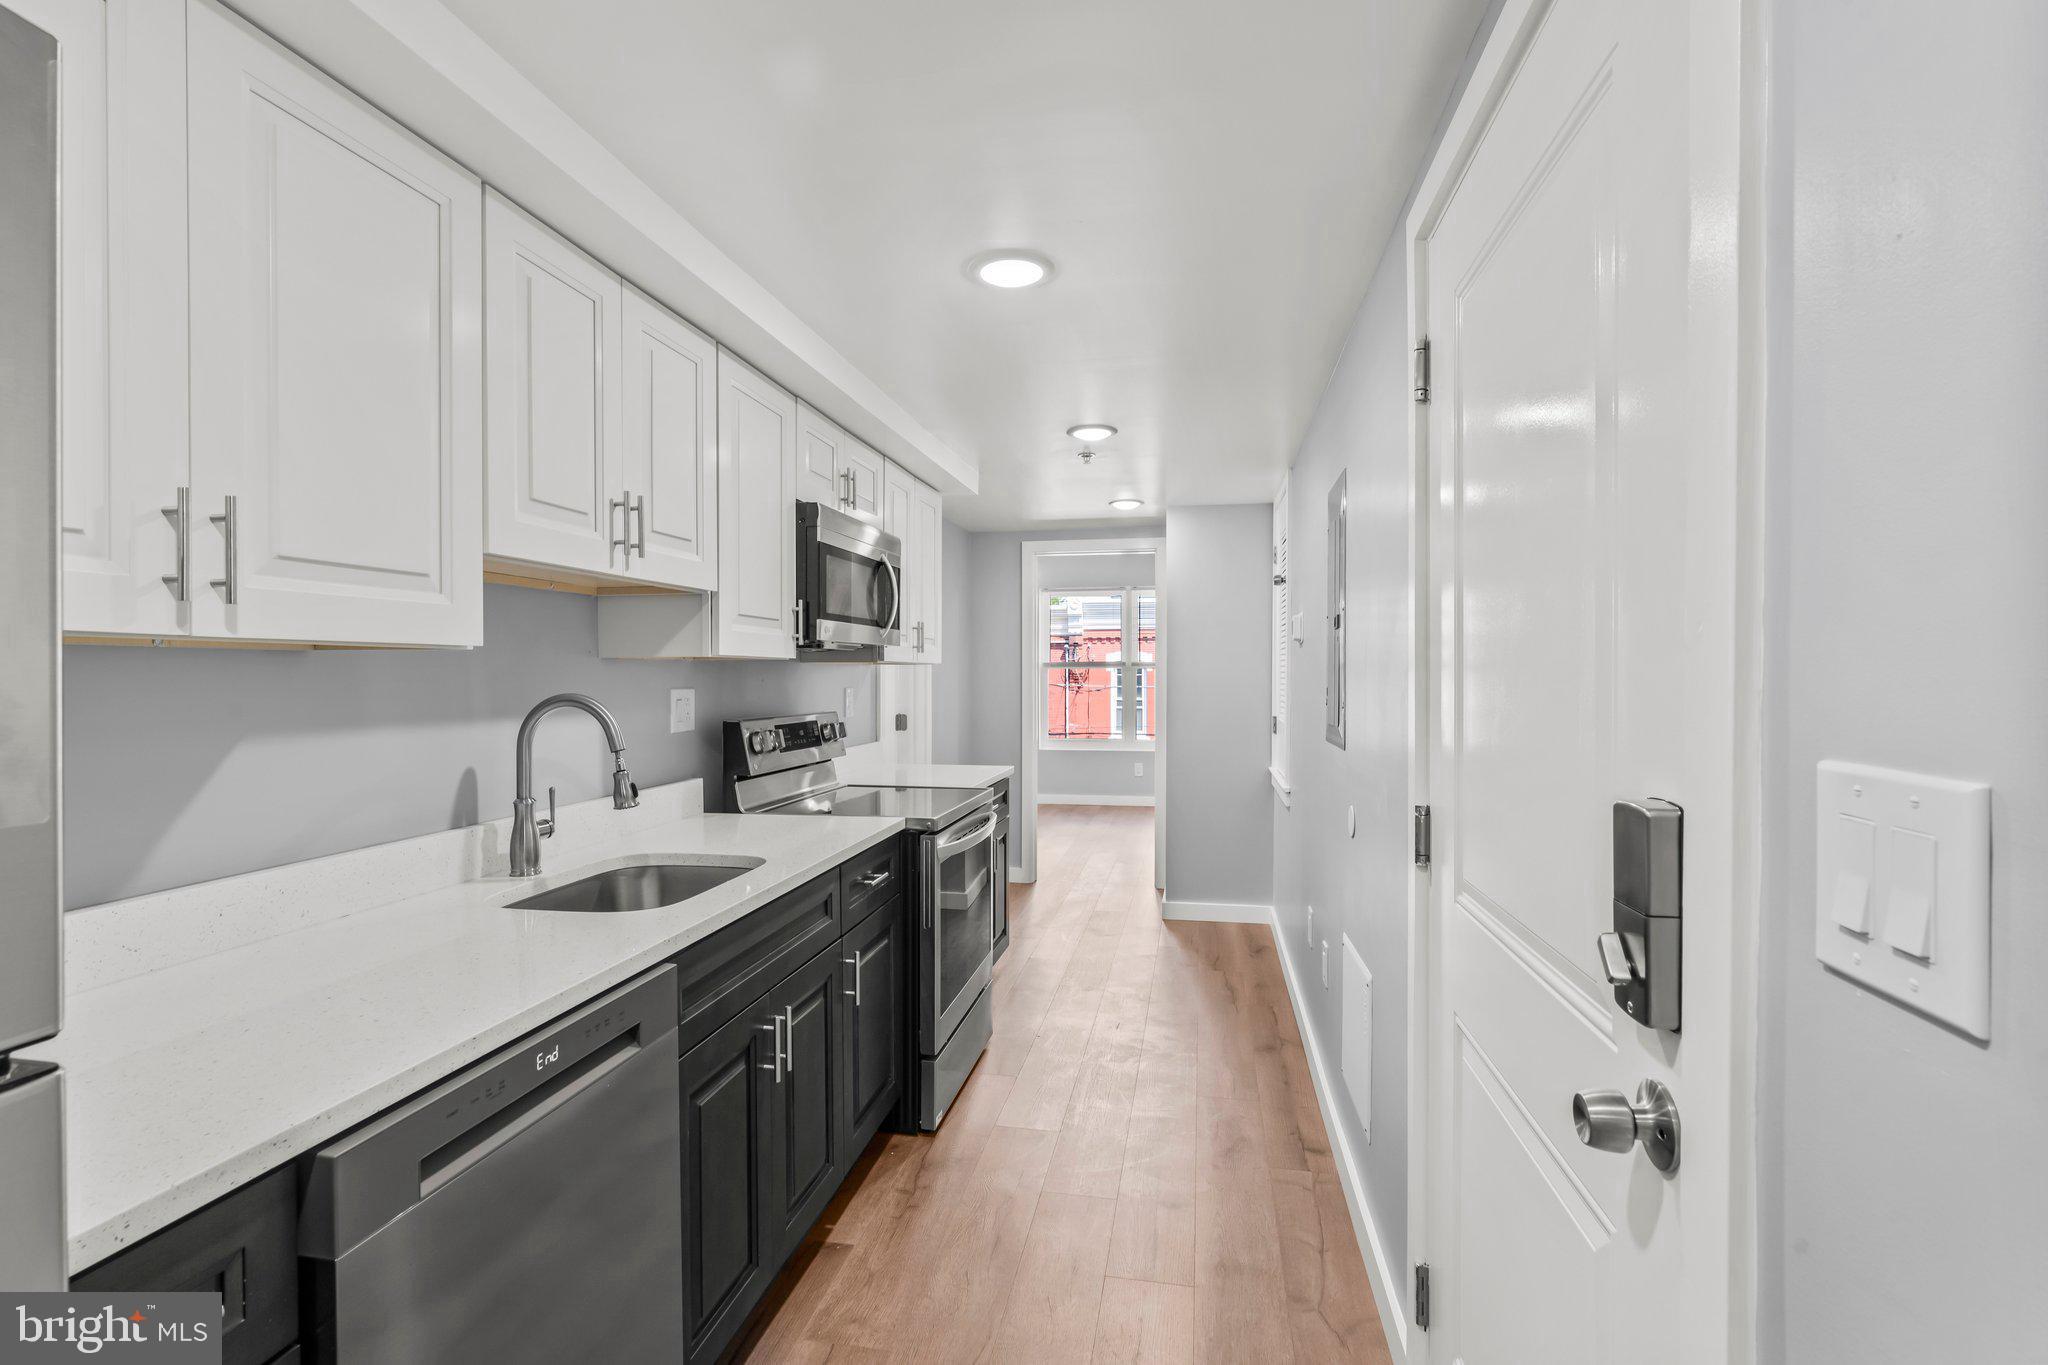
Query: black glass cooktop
[[917, 807]]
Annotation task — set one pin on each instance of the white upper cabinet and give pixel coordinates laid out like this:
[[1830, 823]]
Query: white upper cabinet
[[555, 468], [927, 561], [299, 456], [757, 441], [863, 469], [836, 469], [914, 513], [671, 433]]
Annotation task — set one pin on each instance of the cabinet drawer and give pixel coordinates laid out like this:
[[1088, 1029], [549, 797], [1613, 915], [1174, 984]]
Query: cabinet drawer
[[721, 976], [869, 879], [244, 1248]]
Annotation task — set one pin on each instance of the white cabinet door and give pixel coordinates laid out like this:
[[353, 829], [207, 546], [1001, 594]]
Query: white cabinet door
[[336, 364], [898, 499], [671, 436], [860, 467], [928, 533], [757, 429], [117, 544], [819, 446], [555, 465]]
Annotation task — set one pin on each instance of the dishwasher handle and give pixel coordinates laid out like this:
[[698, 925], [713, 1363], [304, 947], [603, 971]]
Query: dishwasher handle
[[359, 1183]]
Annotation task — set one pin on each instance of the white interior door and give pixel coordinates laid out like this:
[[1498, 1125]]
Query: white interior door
[[554, 489], [671, 435], [1582, 569], [336, 364], [757, 426]]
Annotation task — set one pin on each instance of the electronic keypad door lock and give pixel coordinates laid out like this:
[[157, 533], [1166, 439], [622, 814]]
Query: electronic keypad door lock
[[1642, 955]]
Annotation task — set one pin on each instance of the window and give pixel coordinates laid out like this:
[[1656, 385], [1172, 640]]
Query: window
[[1101, 666]]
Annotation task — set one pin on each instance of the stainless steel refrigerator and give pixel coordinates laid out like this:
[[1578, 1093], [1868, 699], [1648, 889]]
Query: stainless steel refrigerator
[[31, 904]]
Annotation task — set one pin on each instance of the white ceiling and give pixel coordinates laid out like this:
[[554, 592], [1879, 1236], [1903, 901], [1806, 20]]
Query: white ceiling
[[1214, 180]]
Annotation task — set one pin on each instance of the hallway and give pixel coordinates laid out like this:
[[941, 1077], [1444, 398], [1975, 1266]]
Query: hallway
[[1137, 1171]]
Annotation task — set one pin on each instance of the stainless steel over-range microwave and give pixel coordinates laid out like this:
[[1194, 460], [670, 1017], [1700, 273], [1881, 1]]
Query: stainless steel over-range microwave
[[849, 576]]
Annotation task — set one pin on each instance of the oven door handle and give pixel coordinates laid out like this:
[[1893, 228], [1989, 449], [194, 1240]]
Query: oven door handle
[[968, 836]]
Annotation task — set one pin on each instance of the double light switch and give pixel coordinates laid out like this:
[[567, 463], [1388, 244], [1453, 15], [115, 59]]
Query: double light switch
[[1903, 892]]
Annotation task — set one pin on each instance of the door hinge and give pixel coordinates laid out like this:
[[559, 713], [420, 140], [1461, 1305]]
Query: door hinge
[[1276, 723], [1422, 1296], [1422, 370], [1422, 836]]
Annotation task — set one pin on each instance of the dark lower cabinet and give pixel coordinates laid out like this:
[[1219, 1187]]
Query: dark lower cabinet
[[871, 1007], [729, 1257], [805, 1150], [244, 1248]]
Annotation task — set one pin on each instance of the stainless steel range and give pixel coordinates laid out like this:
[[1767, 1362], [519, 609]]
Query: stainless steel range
[[784, 766]]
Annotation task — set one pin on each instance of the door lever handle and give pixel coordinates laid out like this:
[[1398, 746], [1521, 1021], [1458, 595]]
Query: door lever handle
[[1607, 1122], [1616, 961]]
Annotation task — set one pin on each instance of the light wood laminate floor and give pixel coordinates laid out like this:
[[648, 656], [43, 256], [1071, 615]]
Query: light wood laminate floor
[[1136, 1171]]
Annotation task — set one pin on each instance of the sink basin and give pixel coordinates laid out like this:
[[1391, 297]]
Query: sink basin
[[638, 886]]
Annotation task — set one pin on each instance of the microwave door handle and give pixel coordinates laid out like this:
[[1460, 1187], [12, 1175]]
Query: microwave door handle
[[895, 597]]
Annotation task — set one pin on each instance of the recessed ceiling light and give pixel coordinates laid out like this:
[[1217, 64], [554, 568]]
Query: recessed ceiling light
[[1126, 504], [1010, 269], [1092, 431]]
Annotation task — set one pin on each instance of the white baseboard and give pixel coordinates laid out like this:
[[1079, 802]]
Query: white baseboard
[[1144, 799], [1217, 912], [1377, 1269]]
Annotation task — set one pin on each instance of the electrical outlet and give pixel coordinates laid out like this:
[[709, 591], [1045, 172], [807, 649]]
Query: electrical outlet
[[1326, 964], [682, 710], [1138, 768]]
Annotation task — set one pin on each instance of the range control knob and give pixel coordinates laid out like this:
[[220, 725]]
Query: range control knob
[[764, 741]]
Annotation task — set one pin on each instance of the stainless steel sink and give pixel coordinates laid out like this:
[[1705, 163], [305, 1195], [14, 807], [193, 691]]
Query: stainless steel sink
[[638, 886]]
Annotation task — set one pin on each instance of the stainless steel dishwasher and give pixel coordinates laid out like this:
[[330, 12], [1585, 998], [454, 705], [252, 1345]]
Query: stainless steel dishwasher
[[528, 1210]]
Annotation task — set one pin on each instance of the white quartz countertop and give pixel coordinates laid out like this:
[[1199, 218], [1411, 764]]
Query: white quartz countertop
[[184, 1083], [874, 771]]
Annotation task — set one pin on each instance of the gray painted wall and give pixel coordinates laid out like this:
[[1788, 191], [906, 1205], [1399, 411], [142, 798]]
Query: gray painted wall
[[1358, 886], [1903, 1213], [182, 765], [1215, 692], [953, 677], [1095, 773]]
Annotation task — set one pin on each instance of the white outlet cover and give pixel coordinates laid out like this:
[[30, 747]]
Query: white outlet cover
[[682, 710], [1902, 888], [1354, 1038]]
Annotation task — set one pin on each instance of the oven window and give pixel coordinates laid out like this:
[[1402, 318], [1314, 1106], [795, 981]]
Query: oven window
[[966, 920]]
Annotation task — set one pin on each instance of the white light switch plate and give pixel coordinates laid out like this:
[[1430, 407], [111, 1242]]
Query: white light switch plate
[[1902, 888], [682, 710]]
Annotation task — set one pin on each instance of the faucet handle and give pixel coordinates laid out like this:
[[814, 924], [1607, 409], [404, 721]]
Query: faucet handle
[[546, 828]]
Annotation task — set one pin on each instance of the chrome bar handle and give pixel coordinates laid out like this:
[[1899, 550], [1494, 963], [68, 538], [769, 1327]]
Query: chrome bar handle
[[920, 637], [624, 540], [774, 1026], [789, 1040], [640, 513], [180, 516], [228, 587], [854, 962], [799, 611]]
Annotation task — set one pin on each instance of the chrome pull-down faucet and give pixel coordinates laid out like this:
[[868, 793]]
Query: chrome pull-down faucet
[[528, 832]]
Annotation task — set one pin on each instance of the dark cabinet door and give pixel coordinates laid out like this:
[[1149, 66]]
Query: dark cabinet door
[[804, 1143], [730, 1241], [871, 1003]]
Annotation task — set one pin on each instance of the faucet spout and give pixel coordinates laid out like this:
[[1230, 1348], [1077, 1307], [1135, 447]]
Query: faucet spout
[[528, 832]]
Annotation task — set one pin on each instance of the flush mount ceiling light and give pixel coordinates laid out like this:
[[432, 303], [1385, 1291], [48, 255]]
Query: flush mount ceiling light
[[1092, 431], [1010, 269], [1126, 504]]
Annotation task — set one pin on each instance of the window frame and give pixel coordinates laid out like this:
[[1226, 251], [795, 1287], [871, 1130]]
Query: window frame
[[1130, 705]]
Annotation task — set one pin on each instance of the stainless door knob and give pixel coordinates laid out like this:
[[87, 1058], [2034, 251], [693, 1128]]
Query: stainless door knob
[[1607, 1121]]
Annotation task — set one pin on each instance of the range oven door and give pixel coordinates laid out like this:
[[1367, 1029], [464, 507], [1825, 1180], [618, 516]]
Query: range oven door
[[959, 929], [849, 581]]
